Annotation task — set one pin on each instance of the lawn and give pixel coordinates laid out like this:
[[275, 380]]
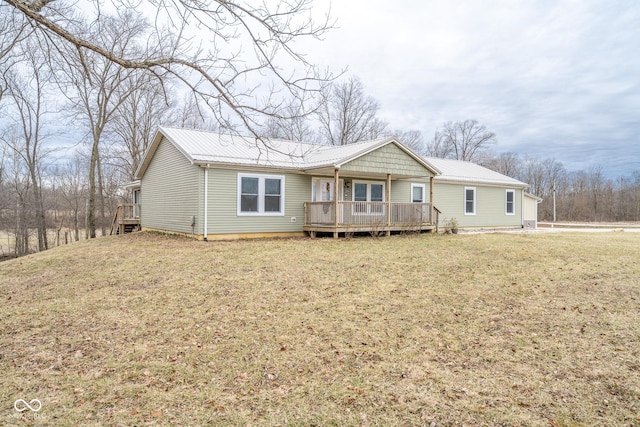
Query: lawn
[[435, 330]]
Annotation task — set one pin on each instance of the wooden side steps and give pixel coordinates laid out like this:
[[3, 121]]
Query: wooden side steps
[[126, 220]]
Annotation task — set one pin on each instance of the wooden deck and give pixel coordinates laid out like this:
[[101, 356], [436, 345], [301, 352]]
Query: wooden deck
[[371, 217], [126, 220]]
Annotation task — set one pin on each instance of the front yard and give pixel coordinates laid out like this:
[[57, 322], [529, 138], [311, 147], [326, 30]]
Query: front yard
[[491, 329]]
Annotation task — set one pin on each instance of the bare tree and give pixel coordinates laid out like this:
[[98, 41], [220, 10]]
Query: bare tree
[[580, 195], [18, 186], [98, 87], [466, 140], [223, 51], [348, 115], [136, 121], [294, 127], [508, 164], [5, 194], [438, 147], [29, 103], [73, 187], [596, 184], [13, 32], [412, 139], [190, 114]]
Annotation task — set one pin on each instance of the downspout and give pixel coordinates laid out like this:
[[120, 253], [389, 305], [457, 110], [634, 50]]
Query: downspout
[[522, 208], [336, 211], [206, 202]]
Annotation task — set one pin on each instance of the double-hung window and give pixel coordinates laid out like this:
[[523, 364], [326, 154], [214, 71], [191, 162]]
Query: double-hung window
[[417, 193], [510, 208], [368, 192], [260, 194], [469, 200]]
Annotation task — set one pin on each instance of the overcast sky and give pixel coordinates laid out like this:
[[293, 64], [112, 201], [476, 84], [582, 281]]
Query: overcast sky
[[553, 79]]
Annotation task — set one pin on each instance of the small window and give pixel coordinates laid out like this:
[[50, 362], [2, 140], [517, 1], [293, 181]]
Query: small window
[[260, 195], [417, 193], [511, 202], [469, 200]]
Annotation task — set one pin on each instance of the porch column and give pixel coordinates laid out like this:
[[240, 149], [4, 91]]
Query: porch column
[[431, 200], [336, 181], [388, 204]]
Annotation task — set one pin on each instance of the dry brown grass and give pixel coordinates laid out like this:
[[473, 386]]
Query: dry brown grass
[[524, 330]]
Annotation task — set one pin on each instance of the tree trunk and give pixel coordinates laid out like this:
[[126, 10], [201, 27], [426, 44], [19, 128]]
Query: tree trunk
[[103, 228], [76, 231], [41, 222], [22, 230], [91, 217]]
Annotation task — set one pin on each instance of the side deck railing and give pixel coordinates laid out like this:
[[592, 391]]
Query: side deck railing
[[127, 214], [367, 214]]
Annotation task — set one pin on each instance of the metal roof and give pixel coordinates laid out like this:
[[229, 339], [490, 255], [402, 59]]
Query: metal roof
[[462, 171], [206, 147]]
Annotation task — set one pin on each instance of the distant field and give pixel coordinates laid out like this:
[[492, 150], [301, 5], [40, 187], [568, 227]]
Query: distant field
[[54, 238], [444, 330]]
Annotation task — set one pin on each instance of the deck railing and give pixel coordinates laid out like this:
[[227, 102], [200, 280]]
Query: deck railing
[[126, 215], [363, 214], [128, 211]]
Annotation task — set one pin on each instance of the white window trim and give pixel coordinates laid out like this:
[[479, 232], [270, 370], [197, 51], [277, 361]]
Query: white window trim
[[353, 195], [261, 178], [465, 200], [424, 192], [359, 181], [506, 205]]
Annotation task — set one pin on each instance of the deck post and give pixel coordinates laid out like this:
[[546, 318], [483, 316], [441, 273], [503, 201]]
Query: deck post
[[388, 204], [431, 200], [336, 179]]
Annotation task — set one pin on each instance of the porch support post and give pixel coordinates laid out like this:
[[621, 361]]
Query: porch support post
[[336, 181], [388, 204], [431, 200]]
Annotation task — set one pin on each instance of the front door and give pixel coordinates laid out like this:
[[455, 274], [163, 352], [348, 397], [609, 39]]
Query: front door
[[323, 190]]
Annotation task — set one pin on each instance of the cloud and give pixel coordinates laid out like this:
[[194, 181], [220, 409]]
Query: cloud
[[551, 78]]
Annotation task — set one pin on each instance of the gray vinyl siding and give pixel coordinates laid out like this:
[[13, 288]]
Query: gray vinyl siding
[[223, 204], [490, 205], [387, 159], [170, 191]]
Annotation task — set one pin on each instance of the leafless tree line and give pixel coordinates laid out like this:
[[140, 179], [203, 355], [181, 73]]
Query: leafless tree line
[[584, 195], [114, 72], [349, 115]]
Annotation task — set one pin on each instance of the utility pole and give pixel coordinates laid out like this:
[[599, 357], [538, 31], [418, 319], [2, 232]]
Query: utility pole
[[554, 201]]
